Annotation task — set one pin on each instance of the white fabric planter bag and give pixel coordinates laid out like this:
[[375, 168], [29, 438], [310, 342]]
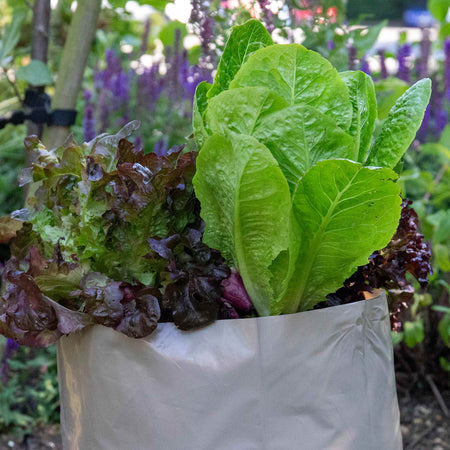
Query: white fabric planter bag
[[315, 380]]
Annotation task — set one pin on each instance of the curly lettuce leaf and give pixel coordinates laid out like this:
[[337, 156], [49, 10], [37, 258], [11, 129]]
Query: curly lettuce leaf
[[401, 125], [244, 40], [364, 103], [299, 76], [80, 250], [244, 197], [44, 299], [9, 228], [343, 212], [105, 214]]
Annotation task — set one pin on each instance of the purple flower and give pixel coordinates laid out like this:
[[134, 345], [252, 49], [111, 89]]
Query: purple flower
[[145, 36], [267, 14], [88, 117], [383, 68], [440, 115], [330, 44], [196, 12], [104, 110], [161, 147], [138, 144], [365, 66], [88, 123], [87, 95], [447, 67], [352, 56], [425, 47], [403, 56], [120, 87], [423, 130], [10, 348], [150, 87]]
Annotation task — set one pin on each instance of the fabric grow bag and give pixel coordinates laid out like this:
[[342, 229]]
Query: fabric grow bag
[[315, 380]]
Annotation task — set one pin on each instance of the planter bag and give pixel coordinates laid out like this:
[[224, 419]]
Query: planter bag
[[315, 380]]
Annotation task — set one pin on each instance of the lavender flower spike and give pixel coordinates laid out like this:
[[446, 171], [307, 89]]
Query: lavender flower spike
[[403, 55], [423, 130], [88, 117], [440, 115], [447, 67], [365, 66], [383, 69], [10, 348]]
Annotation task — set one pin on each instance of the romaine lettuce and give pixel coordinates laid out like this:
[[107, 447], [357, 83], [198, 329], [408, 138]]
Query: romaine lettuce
[[318, 127]]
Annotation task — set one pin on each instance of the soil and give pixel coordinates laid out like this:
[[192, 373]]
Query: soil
[[46, 438], [423, 423]]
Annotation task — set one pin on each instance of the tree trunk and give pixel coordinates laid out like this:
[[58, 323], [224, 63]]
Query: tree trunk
[[73, 63], [39, 47]]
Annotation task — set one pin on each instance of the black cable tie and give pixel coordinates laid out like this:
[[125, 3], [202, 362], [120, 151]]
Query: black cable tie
[[35, 99], [62, 117]]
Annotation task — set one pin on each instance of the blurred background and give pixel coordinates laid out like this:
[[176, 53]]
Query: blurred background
[[144, 62]]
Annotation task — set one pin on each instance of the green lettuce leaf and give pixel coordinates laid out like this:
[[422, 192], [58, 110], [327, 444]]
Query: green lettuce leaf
[[300, 76], [401, 126], [343, 212], [241, 110], [244, 40], [200, 104], [364, 103], [245, 198], [297, 136]]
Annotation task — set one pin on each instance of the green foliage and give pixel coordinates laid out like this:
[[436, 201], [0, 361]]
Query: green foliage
[[413, 333], [314, 82], [35, 73], [11, 35], [364, 38], [401, 125], [167, 33], [364, 103], [332, 39], [298, 136], [297, 107], [343, 212], [444, 324], [439, 8], [388, 91], [243, 42], [12, 158], [30, 397], [241, 209]]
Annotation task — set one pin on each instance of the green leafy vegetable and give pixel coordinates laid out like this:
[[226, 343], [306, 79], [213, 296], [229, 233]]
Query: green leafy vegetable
[[364, 103], [244, 41], [299, 76], [343, 211], [298, 136], [83, 250], [401, 126], [244, 198], [198, 110], [318, 125]]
